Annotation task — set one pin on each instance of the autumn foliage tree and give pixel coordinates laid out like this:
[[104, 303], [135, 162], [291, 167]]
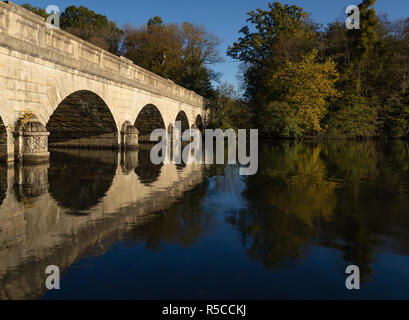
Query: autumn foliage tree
[[307, 87], [180, 52], [273, 37], [307, 81]]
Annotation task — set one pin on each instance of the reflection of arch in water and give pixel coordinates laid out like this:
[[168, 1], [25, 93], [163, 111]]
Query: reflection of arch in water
[[146, 171], [82, 120], [148, 120], [79, 180]]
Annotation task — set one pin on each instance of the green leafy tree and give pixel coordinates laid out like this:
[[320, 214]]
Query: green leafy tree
[[395, 111], [280, 120], [92, 27], [228, 110], [272, 37], [366, 60], [39, 11], [357, 121], [306, 86], [87, 25]]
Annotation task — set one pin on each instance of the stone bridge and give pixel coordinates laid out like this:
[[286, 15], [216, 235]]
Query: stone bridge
[[58, 90]]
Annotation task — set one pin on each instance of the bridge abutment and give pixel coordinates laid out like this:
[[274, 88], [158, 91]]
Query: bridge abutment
[[130, 138], [31, 141]]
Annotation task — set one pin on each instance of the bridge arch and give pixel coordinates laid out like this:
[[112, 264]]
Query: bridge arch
[[82, 119], [182, 117], [149, 119]]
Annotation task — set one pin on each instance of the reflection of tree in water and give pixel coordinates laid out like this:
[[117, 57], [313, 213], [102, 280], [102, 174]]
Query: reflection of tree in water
[[146, 171], [182, 223], [374, 201], [80, 182], [288, 197], [350, 195]]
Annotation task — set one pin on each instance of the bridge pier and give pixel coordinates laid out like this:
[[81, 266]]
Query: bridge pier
[[130, 138], [31, 141]]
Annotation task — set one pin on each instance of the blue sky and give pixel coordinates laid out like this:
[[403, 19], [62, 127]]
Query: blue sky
[[222, 17]]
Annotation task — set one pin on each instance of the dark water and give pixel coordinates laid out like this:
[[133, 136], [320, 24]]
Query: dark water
[[121, 228]]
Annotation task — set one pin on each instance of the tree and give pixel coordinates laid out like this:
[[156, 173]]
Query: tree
[[87, 25], [373, 64], [280, 120], [282, 26], [366, 49], [39, 11], [228, 110], [156, 47], [182, 53], [306, 86], [355, 121], [92, 27], [281, 33], [396, 81]]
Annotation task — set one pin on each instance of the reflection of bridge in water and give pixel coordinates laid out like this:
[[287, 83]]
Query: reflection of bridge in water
[[54, 213]]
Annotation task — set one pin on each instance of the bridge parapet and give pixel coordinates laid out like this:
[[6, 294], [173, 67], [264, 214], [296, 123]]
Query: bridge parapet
[[27, 33]]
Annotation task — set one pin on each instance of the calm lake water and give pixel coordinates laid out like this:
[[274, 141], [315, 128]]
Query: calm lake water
[[119, 227]]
